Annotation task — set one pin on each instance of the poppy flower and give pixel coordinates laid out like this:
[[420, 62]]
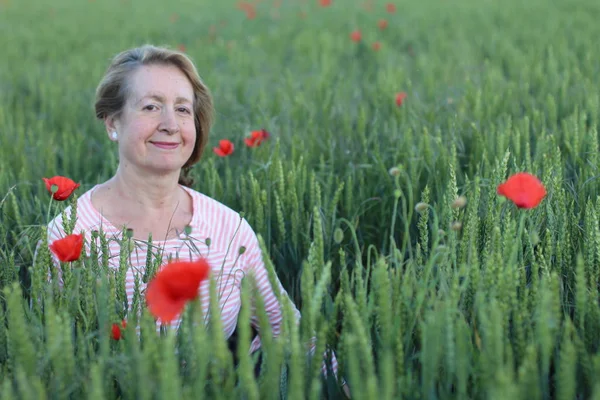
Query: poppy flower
[[390, 7], [116, 333], [248, 8], [356, 36], [400, 98], [181, 47], [173, 286], [325, 3], [382, 24], [376, 46], [68, 248], [256, 138], [65, 187], [225, 148], [523, 189]]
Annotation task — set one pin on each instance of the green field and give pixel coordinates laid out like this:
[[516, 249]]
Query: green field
[[504, 304]]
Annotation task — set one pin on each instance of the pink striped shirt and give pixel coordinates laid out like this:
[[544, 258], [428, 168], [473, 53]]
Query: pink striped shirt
[[210, 220]]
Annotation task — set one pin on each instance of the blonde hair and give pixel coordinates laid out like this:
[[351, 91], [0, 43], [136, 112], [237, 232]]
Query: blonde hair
[[112, 92]]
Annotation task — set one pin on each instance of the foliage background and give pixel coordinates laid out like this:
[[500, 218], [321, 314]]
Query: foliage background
[[493, 88]]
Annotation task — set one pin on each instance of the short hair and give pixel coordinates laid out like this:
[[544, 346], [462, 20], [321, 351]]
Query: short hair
[[113, 91]]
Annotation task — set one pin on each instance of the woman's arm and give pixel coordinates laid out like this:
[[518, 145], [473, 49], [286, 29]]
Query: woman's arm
[[254, 265]]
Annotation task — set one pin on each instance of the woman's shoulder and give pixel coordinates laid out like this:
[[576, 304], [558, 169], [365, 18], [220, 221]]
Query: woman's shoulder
[[217, 213], [205, 204]]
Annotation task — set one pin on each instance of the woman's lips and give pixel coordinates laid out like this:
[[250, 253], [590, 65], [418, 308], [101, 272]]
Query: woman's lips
[[165, 145]]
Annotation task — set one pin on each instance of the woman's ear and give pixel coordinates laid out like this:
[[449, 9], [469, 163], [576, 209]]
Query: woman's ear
[[111, 125]]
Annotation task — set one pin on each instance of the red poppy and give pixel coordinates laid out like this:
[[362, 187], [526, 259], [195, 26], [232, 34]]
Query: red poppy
[[325, 3], [523, 189], [173, 286], [382, 24], [376, 46], [390, 7], [248, 8], [356, 36], [225, 148], [116, 330], [181, 47], [68, 248], [256, 138], [65, 187], [400, 98]]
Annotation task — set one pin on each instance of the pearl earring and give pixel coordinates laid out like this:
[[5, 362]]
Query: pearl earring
[[114, 135]]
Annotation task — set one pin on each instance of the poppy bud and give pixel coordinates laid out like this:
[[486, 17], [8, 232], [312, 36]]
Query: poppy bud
[[338, 235], [394, 171], [460, 202], [421, 207], [207, 242], [535, 238], [242, 250], [456, 226]]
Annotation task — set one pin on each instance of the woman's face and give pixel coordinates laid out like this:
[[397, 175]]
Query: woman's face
[[156, 129]]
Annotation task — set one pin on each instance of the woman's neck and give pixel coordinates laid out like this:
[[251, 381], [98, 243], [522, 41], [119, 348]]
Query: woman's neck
[[152, 194]]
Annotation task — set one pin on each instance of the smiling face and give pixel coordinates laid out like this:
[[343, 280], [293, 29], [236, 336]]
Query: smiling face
[[156, 129]]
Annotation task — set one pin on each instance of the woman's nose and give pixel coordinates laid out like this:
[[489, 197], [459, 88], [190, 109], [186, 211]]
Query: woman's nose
[[169, 121]]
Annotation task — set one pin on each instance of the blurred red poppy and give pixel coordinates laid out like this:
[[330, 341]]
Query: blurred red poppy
[[65, 187], [225, 148], [523, 189], [116, 333], [256, 138], [248, 8], [390, 7], [356, 36], [173, 286], [382, 24], [400, 98]]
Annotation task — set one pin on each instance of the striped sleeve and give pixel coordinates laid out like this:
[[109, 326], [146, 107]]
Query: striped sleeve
[[255, 265]]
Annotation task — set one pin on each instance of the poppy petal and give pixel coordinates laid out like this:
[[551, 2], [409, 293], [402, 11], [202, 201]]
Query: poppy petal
[[68, 248], [174, 285], [523, 189], [65, 187], [162, 306]]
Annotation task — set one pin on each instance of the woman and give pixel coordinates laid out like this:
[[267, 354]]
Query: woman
[[158, 112]]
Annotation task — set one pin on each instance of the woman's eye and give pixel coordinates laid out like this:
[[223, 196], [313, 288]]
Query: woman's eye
[[150, 107], [185, 110]]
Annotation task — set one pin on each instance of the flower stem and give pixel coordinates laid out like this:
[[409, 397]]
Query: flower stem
[[48, 212]]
